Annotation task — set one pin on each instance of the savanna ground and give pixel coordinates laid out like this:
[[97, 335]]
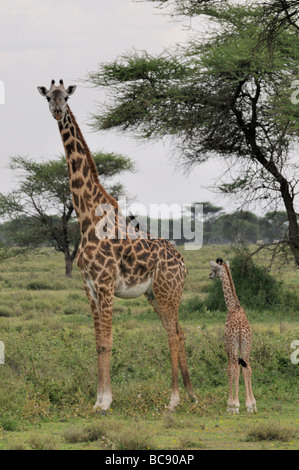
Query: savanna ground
[[48, 381]]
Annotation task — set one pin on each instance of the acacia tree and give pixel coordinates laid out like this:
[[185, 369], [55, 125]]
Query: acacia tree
[[223, 96], [280, 13], [40, 209]]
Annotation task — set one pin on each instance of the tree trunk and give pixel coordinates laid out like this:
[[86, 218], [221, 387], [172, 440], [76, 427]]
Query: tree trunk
[[285, 191], [68, 264], [293, 238]]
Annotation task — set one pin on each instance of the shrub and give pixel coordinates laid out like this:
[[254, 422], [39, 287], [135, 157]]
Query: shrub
[[38, 285], [130, 438], [9, 424], [75, 434], [37, 442], [91, 433], [271, 432]]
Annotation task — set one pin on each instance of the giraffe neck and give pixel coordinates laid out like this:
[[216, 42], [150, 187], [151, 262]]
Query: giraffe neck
[[87, 192], [229, 291]]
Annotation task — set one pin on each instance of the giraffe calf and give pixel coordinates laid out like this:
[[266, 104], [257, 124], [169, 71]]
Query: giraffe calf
[[238, 339]]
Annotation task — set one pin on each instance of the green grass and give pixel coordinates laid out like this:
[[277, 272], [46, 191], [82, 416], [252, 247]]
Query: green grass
[[48, 382]]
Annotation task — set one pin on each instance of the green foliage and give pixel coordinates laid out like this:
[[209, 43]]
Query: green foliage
[[271, 432], [111, 435], [9, 424], [190, 94]]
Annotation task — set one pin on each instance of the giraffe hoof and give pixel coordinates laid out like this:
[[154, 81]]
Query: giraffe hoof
[[172, 406], [251, 408], [233, 409], [101, 408], [193, 398], [99, 411]]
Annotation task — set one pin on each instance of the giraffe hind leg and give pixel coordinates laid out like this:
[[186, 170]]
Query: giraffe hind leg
[[250, 400], [176, 340], [233, 372], [183, 364], [246, 371]]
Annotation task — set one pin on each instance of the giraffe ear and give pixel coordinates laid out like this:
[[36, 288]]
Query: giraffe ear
[[213, 264], [71, 89], [43, 90], [227, 263]]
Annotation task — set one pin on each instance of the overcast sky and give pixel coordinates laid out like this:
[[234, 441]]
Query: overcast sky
[[42, 40]]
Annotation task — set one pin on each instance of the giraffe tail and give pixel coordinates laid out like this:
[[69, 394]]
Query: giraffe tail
[[242, 362]]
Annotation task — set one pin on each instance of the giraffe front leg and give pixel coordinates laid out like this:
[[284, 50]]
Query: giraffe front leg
[[103, 331], [101, 301], [104, 395], [174, 354]]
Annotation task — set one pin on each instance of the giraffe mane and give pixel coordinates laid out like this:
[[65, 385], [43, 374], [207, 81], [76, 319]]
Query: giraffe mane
[[93, 168], [232, 285]]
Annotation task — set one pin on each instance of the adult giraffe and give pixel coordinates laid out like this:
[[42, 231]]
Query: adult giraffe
[[113, 258]]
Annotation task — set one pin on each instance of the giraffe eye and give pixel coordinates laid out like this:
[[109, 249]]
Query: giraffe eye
[[48, 98], [66, 98]]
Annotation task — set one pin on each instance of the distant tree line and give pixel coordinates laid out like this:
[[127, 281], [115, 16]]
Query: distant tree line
[[220, 228]]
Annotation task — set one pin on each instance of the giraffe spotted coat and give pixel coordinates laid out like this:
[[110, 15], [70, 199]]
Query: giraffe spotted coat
[[114, 258], [237, 340]]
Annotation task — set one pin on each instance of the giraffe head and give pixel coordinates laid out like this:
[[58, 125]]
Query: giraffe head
[[57, 97], [217, 268]]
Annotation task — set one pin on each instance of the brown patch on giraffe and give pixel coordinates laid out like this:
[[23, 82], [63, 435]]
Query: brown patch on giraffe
[[89, 185], [75, 199], [85, 224], [86, 170], [80, 148], [82, 204], [100, 258], [77, 183], [92, 237], [130, 259], [66, 136], [70, 148]]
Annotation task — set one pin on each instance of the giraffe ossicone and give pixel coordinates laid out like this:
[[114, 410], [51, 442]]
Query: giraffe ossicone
[[127, 265], [237, 339]]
